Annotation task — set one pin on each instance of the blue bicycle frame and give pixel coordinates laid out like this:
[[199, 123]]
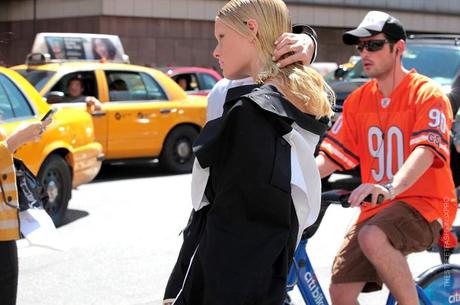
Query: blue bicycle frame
[[303, 275], [421, 296], [433, 280]]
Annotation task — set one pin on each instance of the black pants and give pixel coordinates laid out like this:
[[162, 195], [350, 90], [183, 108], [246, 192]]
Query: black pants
[[8, 272]]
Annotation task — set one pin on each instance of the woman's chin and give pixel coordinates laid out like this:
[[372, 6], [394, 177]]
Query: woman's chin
[[232, 76]]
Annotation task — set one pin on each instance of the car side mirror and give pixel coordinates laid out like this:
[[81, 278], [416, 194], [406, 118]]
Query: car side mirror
[[55, 97], [340, 72]]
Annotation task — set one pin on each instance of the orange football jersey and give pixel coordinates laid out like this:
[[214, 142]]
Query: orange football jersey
[[379, 133]]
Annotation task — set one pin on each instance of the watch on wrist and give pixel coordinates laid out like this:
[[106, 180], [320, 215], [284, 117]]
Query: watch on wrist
[[390, 189]]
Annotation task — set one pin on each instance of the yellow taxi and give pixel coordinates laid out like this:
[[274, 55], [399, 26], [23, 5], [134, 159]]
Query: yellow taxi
[[66, 156], [144, 113]]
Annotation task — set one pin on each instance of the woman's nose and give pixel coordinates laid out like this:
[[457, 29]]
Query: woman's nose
[[215, 53]]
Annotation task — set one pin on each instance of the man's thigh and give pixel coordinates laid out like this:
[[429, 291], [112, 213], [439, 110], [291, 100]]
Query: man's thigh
[[406, 230]]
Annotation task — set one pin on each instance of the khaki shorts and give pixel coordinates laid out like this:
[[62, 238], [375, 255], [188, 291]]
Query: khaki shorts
[[406, 230]]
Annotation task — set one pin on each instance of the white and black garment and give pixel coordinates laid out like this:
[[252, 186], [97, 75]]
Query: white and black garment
[[255, 188]]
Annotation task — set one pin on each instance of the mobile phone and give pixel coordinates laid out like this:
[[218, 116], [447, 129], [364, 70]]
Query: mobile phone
[[47, 115]]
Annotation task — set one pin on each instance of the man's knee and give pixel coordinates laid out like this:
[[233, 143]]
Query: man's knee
[[344, 294], [371, 240]]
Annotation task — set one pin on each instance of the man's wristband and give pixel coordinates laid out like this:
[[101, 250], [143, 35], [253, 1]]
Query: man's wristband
[[391, 190]]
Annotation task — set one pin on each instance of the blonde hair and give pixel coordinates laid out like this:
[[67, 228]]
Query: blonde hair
[[302, 85]]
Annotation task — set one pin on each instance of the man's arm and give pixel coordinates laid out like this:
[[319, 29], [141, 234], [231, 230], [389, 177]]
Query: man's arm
[[93, 104], [325, 166], [418, 162]]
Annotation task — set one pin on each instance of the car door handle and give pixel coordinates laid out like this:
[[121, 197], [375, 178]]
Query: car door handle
[[98, 113], [165, 110]]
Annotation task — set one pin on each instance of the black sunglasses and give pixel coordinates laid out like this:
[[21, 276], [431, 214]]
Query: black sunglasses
[[371, 45]]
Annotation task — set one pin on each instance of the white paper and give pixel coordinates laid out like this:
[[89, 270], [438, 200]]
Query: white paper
[[39, 230]]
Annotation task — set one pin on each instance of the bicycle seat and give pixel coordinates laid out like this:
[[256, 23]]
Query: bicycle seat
[[447, 243]]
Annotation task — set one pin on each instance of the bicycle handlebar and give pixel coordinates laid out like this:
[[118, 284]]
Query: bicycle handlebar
[[341, 197], [327, 198]]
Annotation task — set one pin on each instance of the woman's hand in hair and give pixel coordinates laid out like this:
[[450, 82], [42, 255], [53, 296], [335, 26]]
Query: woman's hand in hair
[[291, 48]]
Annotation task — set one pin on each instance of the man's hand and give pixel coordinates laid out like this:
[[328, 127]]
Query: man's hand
[[297, 47], [93, 104], [362, 191], [457, 147]]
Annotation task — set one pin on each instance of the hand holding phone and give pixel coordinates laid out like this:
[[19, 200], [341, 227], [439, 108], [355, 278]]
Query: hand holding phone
[[47, 115]]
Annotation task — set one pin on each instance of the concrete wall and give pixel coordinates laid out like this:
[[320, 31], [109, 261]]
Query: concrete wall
[[161, 42]]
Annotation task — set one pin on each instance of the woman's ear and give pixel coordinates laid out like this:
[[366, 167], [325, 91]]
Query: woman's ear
[[253, 26]]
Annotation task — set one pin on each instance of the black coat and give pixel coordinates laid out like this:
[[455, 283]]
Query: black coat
[[243, 241]]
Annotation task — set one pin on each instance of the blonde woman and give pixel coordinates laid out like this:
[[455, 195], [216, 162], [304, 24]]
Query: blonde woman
[[9, 224], [255, 173]]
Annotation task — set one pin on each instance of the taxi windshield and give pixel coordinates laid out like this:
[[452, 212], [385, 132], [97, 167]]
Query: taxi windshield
[[38, 78]]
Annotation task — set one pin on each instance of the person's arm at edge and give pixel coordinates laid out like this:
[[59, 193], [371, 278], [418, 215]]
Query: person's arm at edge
[[310, 32], [301, 45], [325, 165], [456, 131]]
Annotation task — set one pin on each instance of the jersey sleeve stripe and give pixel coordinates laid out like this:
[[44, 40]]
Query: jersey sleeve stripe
[[414, 134], [346, 150], [424, 139], [328, 147], [327, 155], [433, 148]]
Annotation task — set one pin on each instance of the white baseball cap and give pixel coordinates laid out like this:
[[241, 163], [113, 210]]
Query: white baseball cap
[[374, 23]]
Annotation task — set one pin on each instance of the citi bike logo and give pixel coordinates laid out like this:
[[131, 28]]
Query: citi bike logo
[[314, 288], [454, 298]]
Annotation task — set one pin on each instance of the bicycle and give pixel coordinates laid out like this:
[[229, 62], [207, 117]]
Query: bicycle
[[439, 285]]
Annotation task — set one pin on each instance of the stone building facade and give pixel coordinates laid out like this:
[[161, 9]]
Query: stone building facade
[[181, 32]]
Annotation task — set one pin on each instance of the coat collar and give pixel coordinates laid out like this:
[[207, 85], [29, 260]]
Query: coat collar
[[235, 93], [271, 100]]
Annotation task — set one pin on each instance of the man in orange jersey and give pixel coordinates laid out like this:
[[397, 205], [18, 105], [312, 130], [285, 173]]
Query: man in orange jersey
[[396, 127]]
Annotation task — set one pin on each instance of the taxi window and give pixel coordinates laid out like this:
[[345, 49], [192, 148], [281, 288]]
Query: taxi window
[[187, 81], [13, 104], [88, 79], [133, 86], [154, 91], [38, 78]]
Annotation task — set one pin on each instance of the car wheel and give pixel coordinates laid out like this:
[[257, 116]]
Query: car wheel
[[177, 155], [55, 177]]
